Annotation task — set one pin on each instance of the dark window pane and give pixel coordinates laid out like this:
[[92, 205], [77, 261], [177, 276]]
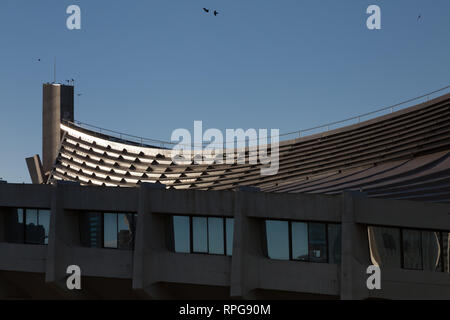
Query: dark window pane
[[44, 222], [110, 230], [446, 251], [334, 243], [34, 234], [91, 229], [230, 235], [412, 249], [300, 241], [14, 230], [431, 250], [182, 234], [277, 233], [317, 242], [126, 225], [215, 236], [200, 235], [385, 246]]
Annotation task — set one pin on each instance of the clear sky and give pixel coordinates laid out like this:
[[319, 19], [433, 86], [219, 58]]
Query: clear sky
[[149, 67]]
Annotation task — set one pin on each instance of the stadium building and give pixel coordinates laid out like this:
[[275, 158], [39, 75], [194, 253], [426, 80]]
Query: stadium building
[[375, 192]]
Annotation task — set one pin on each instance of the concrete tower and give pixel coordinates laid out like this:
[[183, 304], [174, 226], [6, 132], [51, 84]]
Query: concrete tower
[[57, 105]]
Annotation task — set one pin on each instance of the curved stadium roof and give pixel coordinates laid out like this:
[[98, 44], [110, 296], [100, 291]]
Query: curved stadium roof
[[403, 155]]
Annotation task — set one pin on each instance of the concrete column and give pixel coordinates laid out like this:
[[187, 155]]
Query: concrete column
[[57, 105], [355, 252], [139, 244], [149, 241], [63, 237], [246, 251]]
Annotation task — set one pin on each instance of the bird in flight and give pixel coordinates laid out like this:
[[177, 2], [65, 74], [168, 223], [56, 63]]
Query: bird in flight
[[215, 13], [79, 94], [418, 18], [206, 10], [39, 60]]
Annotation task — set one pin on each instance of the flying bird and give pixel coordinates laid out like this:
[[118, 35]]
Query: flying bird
[[79, 94], [215, 13], [418, 18], [39, 60], [206, 10]]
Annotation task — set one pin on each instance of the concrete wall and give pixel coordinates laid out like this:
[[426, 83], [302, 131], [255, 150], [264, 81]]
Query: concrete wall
[[152, 270]]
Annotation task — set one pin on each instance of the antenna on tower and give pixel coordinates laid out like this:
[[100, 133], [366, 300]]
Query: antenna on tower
[[54, 72]]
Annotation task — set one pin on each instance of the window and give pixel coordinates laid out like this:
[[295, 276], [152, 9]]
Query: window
[[409, 248], [300, 249], [216, 236], [30, 226], [318, 242], [303, 241], [334, 243], [182, 234], [385, 246], [229, 229], [412, 249], [208, 235], [108, 230], [277, 239], [200, 235]]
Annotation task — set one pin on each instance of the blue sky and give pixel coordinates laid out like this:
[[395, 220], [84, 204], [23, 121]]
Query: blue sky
[[149, 67]]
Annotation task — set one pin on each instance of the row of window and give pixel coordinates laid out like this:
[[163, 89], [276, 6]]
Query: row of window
[[30, 226], [303, 241], [209, 235], [285, 240], [410, 248]]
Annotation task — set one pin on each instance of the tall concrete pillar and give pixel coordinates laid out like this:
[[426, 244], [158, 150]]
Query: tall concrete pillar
[[57, 105], [355, 252]]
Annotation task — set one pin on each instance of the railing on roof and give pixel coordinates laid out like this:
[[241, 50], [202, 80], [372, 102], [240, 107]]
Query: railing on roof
[[285, 136]]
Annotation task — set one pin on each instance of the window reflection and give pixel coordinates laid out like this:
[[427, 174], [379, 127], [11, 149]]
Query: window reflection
[[317, 242], [303, 241], [412, 249], [211, 235], [91, 229], [182, 234], [110, 230], [300, 250], [44, 222], [334, 243], [200, 235], [230, 233], [126, 224], [36, 232], [419, 250], [277, 233], [216, 243], [431, 248], [385, 246]]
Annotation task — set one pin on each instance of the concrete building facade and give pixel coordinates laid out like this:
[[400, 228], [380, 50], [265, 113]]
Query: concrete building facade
[[140, 226], [154, 270]]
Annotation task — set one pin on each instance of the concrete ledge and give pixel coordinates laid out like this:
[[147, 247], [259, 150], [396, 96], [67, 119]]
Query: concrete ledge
[[23, 257], [198, 269], [105, 263], [296, 276], [399, 213], [25, 195], [412, 284]]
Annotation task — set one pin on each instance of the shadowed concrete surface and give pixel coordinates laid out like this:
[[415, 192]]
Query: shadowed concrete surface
[[154, 271]]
